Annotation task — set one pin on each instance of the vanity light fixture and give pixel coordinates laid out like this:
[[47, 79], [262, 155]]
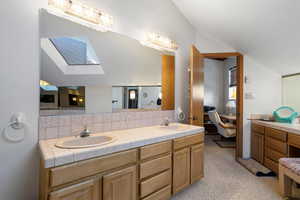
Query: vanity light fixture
[[162, 43], [79, 12]]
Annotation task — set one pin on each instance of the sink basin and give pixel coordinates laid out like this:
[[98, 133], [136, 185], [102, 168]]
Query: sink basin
[[175, 127], [87, 142]]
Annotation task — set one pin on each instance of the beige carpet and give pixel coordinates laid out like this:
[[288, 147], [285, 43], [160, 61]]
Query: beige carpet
[[225, 179]]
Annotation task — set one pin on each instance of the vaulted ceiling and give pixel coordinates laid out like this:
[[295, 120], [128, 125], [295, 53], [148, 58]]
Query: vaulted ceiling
[[267, 30]]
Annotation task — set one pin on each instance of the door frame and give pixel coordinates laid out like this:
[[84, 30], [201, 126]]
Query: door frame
[[240, 95]]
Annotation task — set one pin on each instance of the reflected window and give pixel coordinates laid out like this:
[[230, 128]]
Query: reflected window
[[75, 50]]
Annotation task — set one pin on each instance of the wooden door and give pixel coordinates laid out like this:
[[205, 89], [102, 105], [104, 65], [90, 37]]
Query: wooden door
[[181, 169], [168, 82], [196, 87], [120, 185], [88, 190], [197, 163], [239, 106], [257, 147]]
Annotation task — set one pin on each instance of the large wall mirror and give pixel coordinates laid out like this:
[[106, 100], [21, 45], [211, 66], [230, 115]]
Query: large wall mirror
[[87, 71], [290, 91]]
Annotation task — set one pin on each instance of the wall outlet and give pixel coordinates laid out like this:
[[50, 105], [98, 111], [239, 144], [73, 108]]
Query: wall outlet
[[249, 95]]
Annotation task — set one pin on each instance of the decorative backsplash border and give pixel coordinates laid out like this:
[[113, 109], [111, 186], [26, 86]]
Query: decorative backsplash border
[[51, 127]]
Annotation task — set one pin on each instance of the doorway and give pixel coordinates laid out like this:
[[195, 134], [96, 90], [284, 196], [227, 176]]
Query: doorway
[[196, 114]]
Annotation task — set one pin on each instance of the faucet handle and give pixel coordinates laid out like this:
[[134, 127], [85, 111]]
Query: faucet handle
[[166, 122], [86, 132]]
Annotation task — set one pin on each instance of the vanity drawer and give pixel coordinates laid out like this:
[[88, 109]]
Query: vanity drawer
[[276, 134], [155, 149], [276, 145], [163, 194], [271, 165], [155, 183], [73, 172], [294, 140], [273, 155], [155, 166], [257, 128], [188, 141]]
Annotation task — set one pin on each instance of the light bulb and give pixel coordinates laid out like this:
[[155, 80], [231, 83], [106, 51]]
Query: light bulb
[[77, 8]]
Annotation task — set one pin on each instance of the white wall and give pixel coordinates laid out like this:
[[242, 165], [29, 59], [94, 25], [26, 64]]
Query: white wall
[[98, 99], [207, 44], [265, 87], [214, 84], [19, 75]]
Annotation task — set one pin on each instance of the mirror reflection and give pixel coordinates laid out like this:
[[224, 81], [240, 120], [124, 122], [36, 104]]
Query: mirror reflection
[[75, 50], [136, 97], [87, 71], [290, 91]]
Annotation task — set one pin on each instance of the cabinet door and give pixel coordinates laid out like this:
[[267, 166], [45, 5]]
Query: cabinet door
[[88, 190], [257, 147], [181, 169], [120, 185], [197, 166]]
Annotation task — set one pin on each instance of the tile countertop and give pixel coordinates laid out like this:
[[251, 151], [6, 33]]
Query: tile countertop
[[291, 128], [125, 140]]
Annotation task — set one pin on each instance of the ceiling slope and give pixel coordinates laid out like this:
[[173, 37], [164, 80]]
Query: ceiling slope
[[267, 30]]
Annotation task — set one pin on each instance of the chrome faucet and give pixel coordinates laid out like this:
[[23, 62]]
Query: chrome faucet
[[86, 132], [165, 122]]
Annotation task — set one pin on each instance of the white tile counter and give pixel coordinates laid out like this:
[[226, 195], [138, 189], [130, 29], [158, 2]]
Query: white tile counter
[[125, 139], [291, 128]]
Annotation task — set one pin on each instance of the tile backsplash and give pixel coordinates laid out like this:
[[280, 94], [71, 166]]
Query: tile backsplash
[[51, 127]]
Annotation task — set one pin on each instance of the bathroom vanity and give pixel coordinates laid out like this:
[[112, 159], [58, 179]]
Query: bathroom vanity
[[271, 141], [150, 163]]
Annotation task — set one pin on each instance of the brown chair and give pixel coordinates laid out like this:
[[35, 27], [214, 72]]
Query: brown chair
[[289, 171]]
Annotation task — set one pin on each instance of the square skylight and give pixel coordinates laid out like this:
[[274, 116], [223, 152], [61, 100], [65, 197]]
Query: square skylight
[[75, 50]]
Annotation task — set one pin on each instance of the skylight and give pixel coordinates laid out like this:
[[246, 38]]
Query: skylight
[[75, 50]]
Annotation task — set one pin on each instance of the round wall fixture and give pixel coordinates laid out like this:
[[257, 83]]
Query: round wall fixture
[[15, 129]]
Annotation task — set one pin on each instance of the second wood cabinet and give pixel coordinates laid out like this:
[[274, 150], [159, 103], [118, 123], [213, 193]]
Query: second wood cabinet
[[187, 162], [120, 185], [257, 146], [181, 167], [197, 164]]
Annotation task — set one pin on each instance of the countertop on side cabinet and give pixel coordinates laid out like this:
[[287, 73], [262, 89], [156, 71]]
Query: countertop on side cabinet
[[125, 140], [291, 128]]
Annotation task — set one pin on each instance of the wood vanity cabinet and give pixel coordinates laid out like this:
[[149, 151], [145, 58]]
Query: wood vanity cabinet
[[257, 143], [120, 185], [187, 161], [152, 172], [182, 168], [268, 145], [86, 190], [197, 164]]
